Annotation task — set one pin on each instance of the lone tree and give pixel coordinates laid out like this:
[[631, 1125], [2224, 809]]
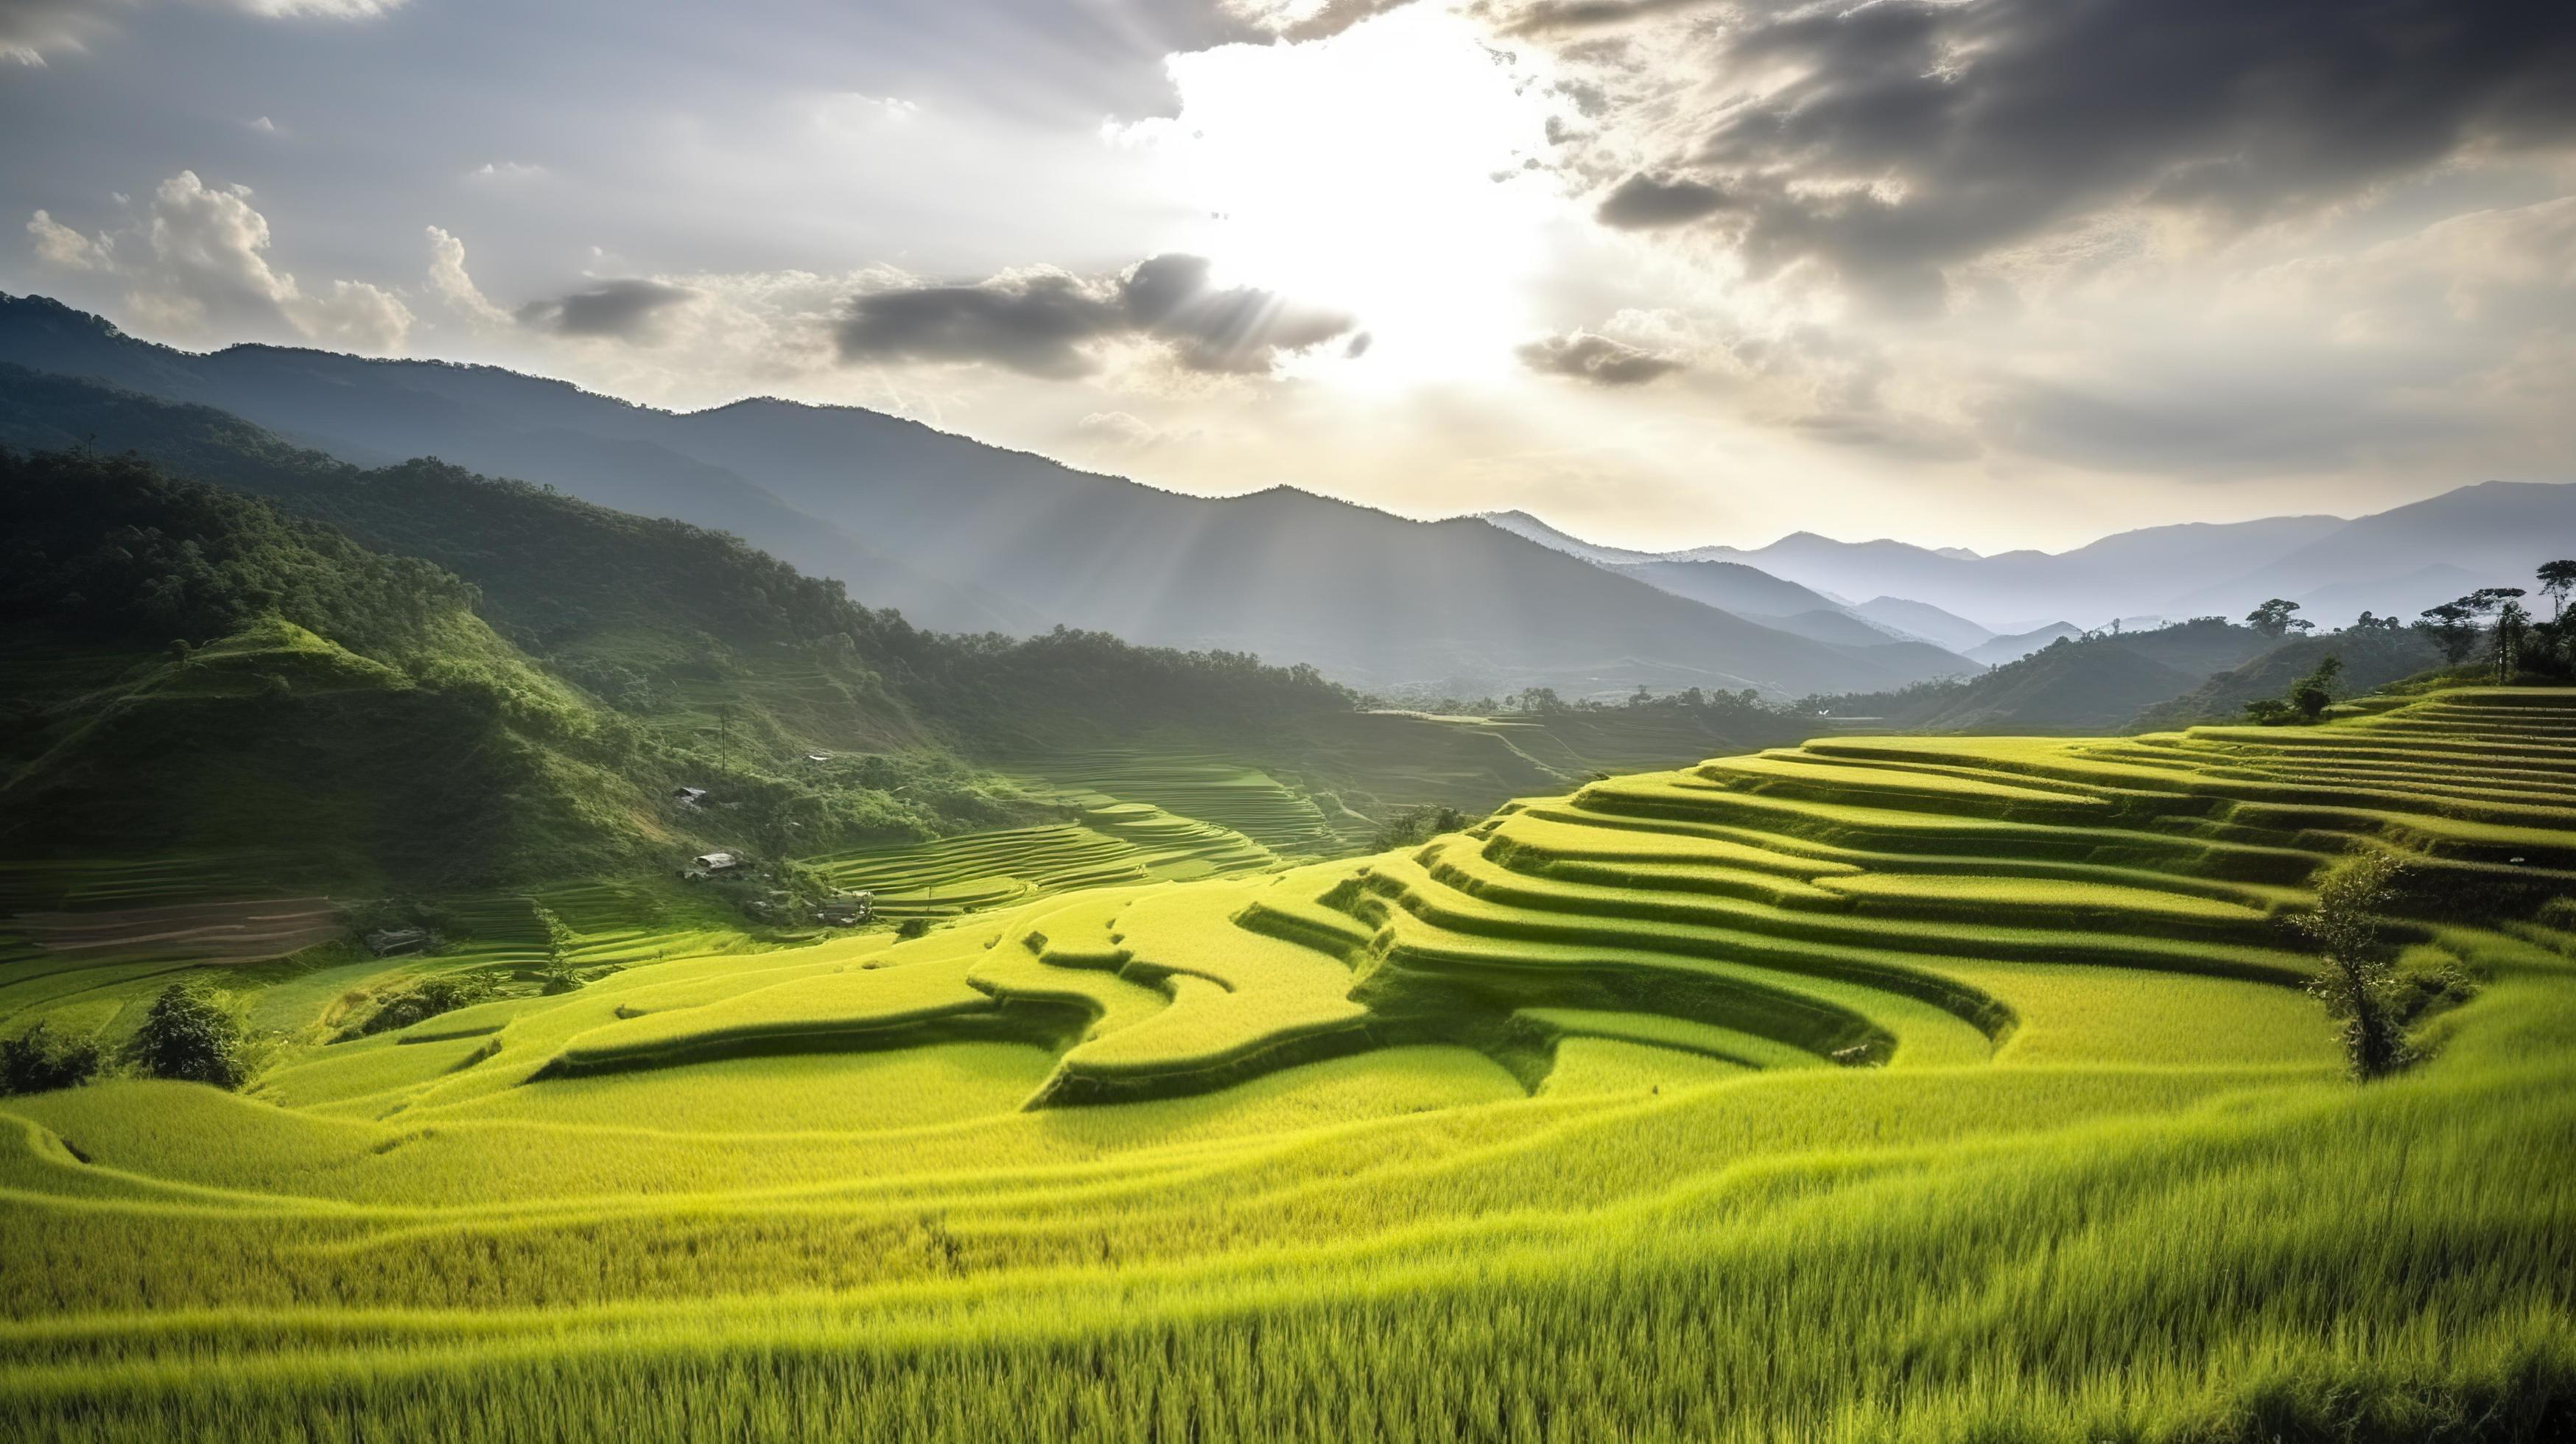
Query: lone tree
[[2355, 982], [2557, 579], [2274, 619], [190, 1037]]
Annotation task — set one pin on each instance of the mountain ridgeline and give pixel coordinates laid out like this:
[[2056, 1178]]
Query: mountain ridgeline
[[2396, 562], [960, 536], [501, 682]]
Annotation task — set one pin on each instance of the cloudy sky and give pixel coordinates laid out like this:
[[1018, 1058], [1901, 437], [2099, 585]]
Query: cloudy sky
[[1968, 272]]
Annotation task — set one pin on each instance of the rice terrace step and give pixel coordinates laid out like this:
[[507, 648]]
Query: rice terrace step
[[1499, 1059]]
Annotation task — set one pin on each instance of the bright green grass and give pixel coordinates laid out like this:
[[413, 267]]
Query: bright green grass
[[1588, 1065], [1905, 1089]]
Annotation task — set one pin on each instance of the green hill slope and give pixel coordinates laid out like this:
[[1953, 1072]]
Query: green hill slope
[[2372, 658], [727, 655], [193, 671], [1903, 1088], [2099, 682]]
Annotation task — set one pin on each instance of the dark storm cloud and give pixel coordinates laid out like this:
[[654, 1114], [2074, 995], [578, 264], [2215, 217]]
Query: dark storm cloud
[[1596, 359], [1043, 325], [1921, 134], [1237, 328], [623, 309], [1037, 326], [1641, 202]]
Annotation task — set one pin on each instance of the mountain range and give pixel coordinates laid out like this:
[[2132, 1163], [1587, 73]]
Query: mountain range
[[961, 536], [965, 537], [2395, 562]]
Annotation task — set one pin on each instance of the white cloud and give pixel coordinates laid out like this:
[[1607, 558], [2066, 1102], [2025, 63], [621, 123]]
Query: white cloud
[[1119, 431], [61, 246], [320, 9], [263, 125], [504, 171], [198, 266], [849, 108], [447, 276], [353, 316], [208, 250]]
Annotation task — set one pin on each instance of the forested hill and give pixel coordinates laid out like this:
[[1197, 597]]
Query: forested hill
[[640, 606], [499, 682], [2204, 670], [190, 670], [962, 535]]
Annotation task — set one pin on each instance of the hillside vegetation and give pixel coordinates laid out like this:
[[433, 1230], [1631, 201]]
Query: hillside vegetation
[[613, 659], [192, 671], [1916, 1088], [242, 678], [2204, 670], [961, 536]]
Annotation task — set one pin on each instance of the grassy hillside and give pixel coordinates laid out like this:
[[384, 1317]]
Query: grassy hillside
[[2372, 658], [659, 655], [1913, 1088], [2099, 682], [190, 670], [189, 667]]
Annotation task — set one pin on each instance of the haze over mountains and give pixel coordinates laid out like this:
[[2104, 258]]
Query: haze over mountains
[[962, 536], [2396, 562]]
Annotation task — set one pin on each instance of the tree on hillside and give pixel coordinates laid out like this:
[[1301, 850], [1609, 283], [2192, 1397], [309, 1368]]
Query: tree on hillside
[[191, 1037], [41, 1059], [2313, 693], [2356, 981], [2453, 627], [2557, 579], [1417, 825], [2512, 630], [2306, 700], [2274, 619]]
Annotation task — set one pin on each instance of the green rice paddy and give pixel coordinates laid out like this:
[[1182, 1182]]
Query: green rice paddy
[[1884, 1088]]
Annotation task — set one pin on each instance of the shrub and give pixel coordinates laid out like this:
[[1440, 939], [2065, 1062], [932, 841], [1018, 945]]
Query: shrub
[[190, 1036], [2357, 983], [2305, 702], [40, 1059], [912, 928], [1417, 825], [427, 999]]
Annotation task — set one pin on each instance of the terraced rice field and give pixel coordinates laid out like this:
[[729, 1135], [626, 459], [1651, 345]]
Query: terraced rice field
[[1883, 1088], [1115, 842], [1212, 790]]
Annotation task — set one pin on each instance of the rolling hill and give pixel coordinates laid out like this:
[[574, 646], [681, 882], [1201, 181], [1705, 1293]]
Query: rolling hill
[[1921, 619], [818, 723], [2099, 682], [1996, 651], [962, 536], [1771, 1097], [192, 672]]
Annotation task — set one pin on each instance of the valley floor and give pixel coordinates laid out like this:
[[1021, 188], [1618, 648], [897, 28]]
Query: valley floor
[[1882, 1088]]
